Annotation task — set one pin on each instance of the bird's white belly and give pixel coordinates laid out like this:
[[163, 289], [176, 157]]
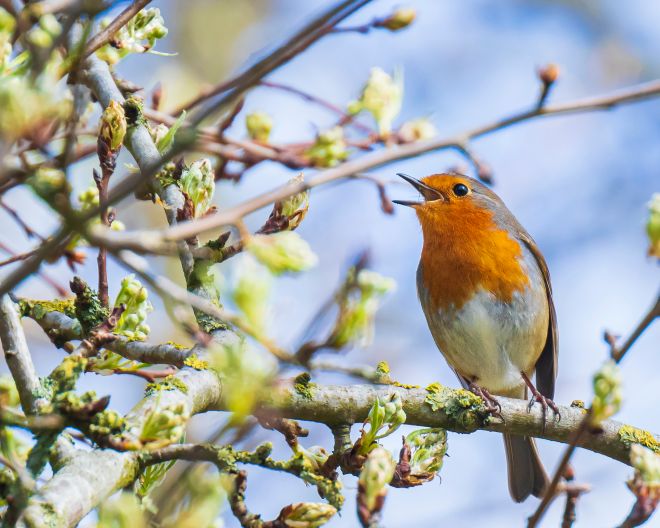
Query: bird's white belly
[[490, 342]]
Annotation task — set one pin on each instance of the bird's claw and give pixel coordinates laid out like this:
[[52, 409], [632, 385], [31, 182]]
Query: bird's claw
[[493, 407], [545, 403]]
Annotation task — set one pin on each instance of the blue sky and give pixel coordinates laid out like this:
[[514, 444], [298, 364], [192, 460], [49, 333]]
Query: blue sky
[[579, 184]]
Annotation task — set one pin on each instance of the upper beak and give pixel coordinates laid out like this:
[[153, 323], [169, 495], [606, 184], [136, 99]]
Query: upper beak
[[420, 186]]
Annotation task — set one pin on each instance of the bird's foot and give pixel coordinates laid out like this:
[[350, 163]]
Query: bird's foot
[[543, 400], [492, 405]]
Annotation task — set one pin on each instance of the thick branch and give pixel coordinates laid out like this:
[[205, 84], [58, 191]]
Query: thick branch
[[18, 355], [337, 404]]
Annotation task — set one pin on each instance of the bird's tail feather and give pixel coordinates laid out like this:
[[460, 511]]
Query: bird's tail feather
[[527, 475]]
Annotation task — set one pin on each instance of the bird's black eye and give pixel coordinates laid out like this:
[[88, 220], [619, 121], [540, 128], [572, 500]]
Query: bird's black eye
[[461, 189]]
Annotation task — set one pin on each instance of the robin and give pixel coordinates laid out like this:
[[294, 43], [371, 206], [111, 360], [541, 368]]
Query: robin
[[485, 290]]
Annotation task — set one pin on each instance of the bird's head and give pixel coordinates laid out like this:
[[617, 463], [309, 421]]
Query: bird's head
[[446, 196]]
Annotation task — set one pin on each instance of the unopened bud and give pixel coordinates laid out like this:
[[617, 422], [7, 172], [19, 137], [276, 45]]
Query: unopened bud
[[401, 18], [198, 182], [133, 296], [113, 125], [417, 130], [607, 392], [329, 148], [282, 252], [653, 226], [295, 207], [259, 125], [548, 74], [306, 514], [647, 464], [376, 474]]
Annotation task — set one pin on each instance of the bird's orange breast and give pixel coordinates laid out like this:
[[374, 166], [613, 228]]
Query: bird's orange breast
[[465, 251]]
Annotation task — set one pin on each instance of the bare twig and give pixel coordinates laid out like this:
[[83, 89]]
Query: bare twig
[[298, 43], [617, 352], [319, 101], [370, 161], [583, 428]]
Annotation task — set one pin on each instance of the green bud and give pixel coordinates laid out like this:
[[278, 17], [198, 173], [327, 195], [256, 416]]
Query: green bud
[[50, 24], [383, 419], [121, 512], [113, 125], [417, 130], [282, 252], [357, 309], [28, 104], [163, 136], [8, 392], [401, 18], [647, 466], [653, 226], [251, 292], [429, 446], [306, 514], [138, 36], [132, 322], [198, 182], [607, 392], [259, 125], [89, 198], [164, 425], [295, 207], [328, 149], [47, 182], [376, 474], [245, 376], [314, 457], [381, 97]]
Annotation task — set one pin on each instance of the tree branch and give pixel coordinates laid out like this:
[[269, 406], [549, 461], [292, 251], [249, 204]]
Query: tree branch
[[367, 162], [18, 355]]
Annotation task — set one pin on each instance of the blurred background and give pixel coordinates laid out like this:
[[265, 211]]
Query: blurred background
[[579, 184]]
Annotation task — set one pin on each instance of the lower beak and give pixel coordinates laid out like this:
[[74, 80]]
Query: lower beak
[[407, 203], [416, 184]]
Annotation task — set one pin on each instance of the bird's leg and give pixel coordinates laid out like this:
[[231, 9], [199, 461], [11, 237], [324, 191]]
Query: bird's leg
[[538, 397], [492, 405]]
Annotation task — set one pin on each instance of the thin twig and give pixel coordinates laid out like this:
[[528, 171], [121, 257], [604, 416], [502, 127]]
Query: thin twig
[[370, 161], [583, 428], [319, 101], [104, 36], [298, 43], [617, 352]]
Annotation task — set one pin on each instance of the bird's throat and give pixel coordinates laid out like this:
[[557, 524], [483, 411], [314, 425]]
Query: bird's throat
[[465, 252]]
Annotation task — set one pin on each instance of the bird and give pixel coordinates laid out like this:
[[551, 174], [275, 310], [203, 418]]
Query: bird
[[484, 287]]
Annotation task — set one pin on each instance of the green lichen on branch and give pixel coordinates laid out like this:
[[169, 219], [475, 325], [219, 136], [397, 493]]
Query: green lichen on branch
[[463, 407], [66, 374], [303, 385], [632, 435], [134, 110], [36, 309], [168, 383], [88, 413], [89, 309], [226, 459], [194, 362]]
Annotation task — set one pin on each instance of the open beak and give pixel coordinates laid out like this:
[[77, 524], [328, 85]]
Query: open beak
[[423, 189]]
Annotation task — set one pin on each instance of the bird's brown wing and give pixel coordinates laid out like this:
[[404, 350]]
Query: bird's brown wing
[[546, 366]]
